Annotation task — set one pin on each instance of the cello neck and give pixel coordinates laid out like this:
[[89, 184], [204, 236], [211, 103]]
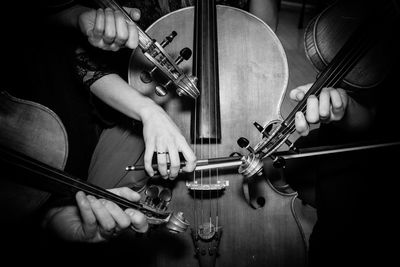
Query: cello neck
[[207, 119]]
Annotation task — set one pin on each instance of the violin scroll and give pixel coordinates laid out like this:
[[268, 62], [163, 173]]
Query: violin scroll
[[155, 53], [155, 207]]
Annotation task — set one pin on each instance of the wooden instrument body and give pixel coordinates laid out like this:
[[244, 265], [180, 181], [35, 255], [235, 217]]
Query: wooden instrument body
[[36, 131], [253, 71], [253, 76], [326, 34]]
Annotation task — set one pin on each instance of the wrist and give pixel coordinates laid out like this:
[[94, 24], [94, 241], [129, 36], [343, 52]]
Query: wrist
[[148, 109]]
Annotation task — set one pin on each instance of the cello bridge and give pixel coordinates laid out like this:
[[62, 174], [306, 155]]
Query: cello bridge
[[196, 186]]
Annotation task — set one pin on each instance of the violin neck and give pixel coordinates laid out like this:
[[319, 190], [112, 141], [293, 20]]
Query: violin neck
[[44, 177], [144, 40], [355, 48], [207, 121]]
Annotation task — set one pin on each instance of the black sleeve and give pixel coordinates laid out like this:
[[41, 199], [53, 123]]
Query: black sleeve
[[54, 6]]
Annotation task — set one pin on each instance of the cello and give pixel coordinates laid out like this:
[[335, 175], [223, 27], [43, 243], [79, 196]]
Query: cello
[[237, 59]]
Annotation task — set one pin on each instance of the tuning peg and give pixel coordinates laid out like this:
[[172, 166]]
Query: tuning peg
[[168, 39], [161, 90], [244, 143], [165, 197], [184, 54], [264, 133], [151, 193], [145, 76]]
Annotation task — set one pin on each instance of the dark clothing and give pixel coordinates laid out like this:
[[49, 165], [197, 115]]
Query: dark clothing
[[38, 66], [354, 191]]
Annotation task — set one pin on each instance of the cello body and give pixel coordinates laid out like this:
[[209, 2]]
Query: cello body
[[252, 79]]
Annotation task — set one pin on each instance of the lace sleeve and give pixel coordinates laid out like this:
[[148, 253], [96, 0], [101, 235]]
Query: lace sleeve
[[89, 67]]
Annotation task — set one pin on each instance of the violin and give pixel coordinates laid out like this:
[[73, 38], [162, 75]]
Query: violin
[[155, 53], [33, 140]]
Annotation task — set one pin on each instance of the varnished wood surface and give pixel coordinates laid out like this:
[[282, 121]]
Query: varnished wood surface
[[253, 80], [36, 131]]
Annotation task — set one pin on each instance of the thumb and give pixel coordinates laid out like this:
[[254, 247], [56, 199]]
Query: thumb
[[134, 13]]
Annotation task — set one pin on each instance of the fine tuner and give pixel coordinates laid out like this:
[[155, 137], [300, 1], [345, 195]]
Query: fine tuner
[[185, 84]]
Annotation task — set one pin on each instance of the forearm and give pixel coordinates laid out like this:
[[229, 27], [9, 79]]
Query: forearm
[[118, 94], [267, 10], [68, 17]]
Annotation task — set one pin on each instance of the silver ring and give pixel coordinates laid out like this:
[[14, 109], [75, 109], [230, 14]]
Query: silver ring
[[162, 152]]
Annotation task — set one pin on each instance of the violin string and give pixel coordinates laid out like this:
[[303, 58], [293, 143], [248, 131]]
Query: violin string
[[322, 81], [73, 183], [334, 75], [360, 39], [331, 81]]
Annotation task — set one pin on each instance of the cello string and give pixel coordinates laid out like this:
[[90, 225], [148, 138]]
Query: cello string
[[209, 39], [216, 91], [196, 71]]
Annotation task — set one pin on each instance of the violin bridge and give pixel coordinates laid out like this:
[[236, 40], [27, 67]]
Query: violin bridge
[[195, 185]]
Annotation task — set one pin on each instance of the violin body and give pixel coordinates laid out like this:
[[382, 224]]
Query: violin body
[[252, 79], [326, 34], [36, 131]]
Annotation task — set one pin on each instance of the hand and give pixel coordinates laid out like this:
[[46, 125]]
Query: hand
[[109, 30], [331, 106], [161, 135], [96, 220]]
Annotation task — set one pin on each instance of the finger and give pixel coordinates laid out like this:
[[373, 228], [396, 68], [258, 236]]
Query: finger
[[121, 36], [299, 92], [109, 28], [134, 13], [121, 219], [98, 43], [103, 217], [148, 157], [133, 36], [312, 114], [127, 193], [162, 163], [324, 104], [138, 220], [89, 223], [190, 157], [175, 162], [98, 29], [301, 124], [337, 105]]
